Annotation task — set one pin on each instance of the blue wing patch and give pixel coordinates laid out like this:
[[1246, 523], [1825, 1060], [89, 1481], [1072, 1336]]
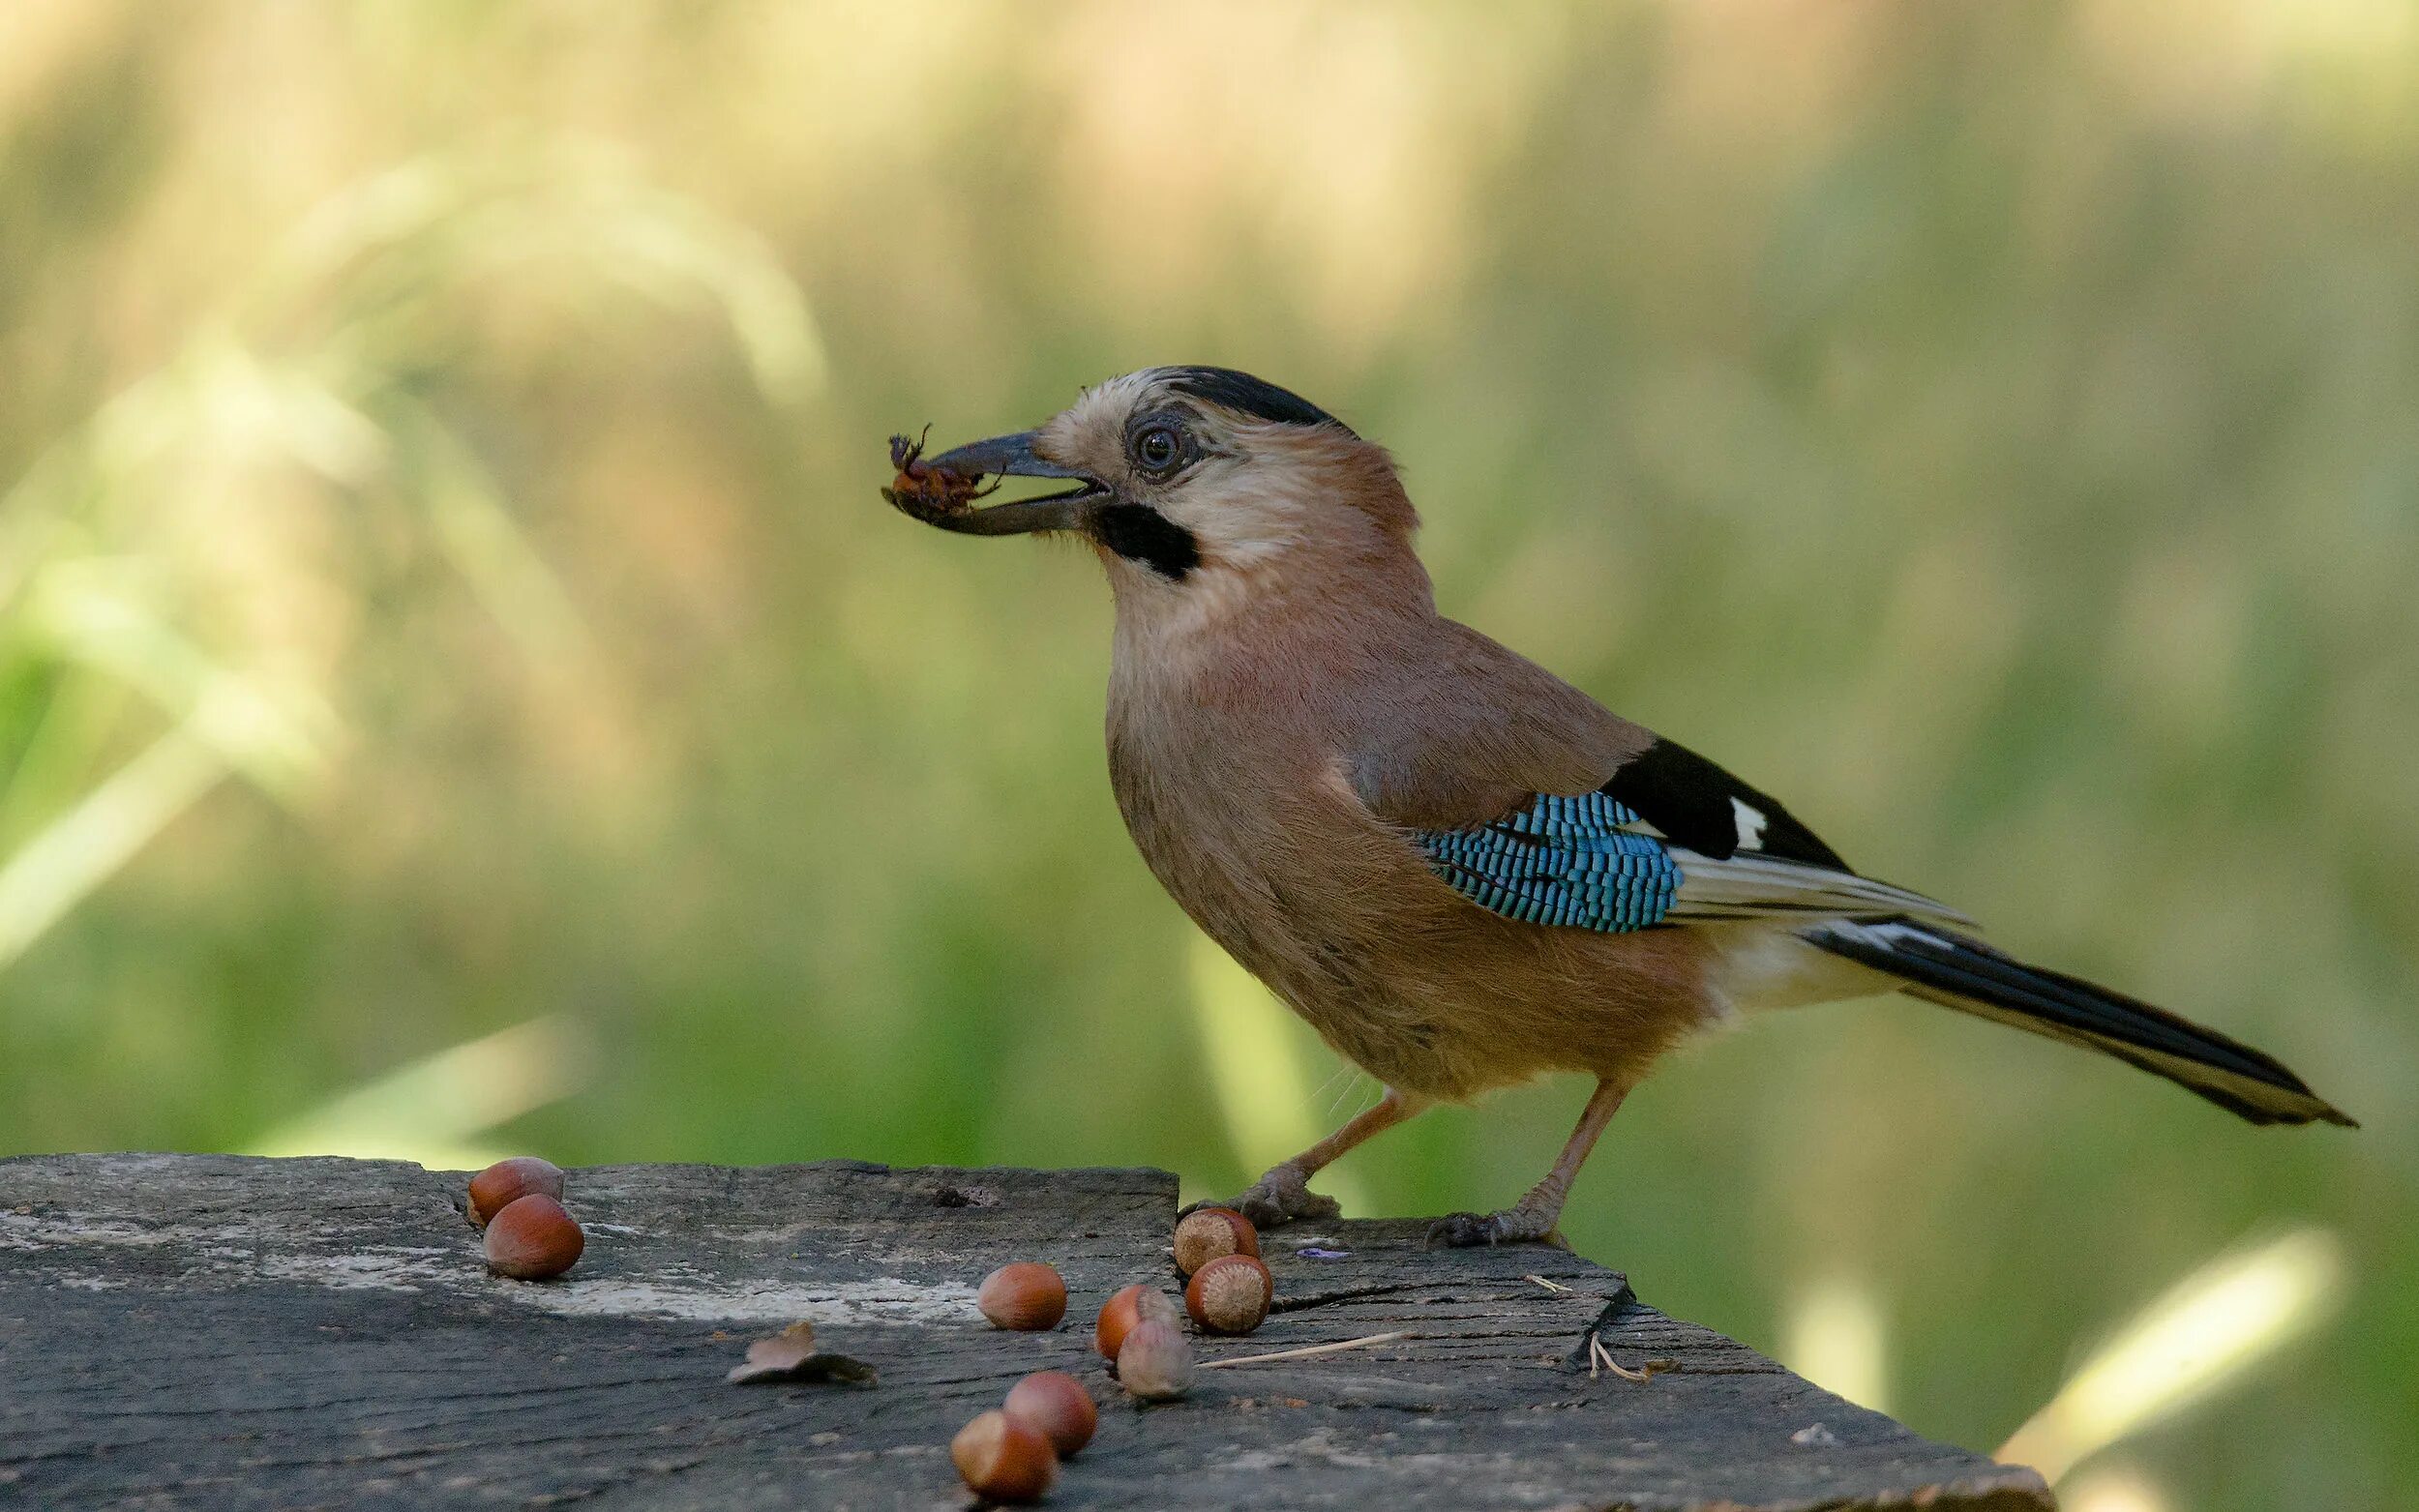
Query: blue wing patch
[[1560, 860]]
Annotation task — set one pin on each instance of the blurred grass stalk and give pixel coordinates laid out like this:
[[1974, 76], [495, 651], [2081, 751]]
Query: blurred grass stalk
[[80, 589], [433, 1110], [1834, 1334], [2201, 1334], [77, 851], [2113, 1488], [1264, 1094]]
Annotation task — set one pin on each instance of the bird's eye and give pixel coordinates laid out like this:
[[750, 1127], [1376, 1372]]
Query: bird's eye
[[1158, 449]]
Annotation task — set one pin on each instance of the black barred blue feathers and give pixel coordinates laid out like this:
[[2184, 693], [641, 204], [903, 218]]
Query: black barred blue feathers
[[1562, 860]]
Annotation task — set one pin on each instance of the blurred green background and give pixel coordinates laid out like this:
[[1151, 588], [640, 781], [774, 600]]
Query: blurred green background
[[460, 691]]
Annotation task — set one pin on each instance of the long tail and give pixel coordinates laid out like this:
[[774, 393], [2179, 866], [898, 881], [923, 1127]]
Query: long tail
[[1955, 971]]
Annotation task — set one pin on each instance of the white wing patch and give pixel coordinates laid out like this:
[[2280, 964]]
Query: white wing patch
[[1751, 822]]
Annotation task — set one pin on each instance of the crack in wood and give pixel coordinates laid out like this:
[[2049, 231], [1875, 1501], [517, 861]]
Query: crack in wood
[[214, 1367]]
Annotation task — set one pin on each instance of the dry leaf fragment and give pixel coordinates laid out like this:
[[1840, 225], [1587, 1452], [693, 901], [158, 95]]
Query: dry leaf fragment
[[790, 1356]]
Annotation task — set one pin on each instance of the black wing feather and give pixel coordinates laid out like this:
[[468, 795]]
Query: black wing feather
[[1691, 799]]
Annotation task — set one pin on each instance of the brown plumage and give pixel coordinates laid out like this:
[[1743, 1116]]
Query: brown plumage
[[1294, 732], [1282, 838]]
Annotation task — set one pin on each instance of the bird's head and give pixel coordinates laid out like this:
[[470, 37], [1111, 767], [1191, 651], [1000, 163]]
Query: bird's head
[[1200, 488]]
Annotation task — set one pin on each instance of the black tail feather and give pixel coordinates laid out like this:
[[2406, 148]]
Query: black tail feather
[[1963, 974]]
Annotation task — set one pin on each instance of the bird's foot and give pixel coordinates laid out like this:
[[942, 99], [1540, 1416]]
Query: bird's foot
[[1522, 1224], [1281, 1196]]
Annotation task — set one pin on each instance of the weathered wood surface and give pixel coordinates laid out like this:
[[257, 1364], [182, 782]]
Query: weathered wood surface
[[213, 1331]]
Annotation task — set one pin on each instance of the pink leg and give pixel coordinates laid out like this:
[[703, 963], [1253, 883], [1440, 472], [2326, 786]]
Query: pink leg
[[1284, 1194], [1536, 1215]]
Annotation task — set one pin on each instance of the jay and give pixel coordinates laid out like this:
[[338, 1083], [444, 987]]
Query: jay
[[1461, 871]]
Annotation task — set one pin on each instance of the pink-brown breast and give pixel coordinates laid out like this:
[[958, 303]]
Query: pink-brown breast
[[1246, 780]]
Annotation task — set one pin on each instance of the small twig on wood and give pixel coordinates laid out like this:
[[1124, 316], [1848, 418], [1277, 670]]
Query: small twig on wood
[[1598, 1355], [1550, 1286], [1306, 1351]]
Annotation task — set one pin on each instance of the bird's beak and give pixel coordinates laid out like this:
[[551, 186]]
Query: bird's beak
[[1013, 456]]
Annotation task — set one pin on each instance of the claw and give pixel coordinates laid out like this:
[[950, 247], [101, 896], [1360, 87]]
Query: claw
[[1280, 1197], [1511, 1226], [1461, 1231]]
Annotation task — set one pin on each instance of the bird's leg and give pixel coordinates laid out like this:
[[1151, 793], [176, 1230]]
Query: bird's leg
[[1536, 1215], [1284, 1194]]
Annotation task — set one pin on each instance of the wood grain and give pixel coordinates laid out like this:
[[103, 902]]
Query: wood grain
[[214, 1331]]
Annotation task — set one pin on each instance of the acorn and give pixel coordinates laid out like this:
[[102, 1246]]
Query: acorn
[[508, 1180], [1056, 1405], [1208, 1232], [1230, 1294], [1121, 1312], [1156, 1362], [1005, 1459], [531, 1238], [1027, 1296]]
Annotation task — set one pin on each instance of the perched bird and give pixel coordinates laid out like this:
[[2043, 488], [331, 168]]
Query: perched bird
[[1463, 872]]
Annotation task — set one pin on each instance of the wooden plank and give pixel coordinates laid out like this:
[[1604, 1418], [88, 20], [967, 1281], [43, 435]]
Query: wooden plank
[[213, 1331]]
